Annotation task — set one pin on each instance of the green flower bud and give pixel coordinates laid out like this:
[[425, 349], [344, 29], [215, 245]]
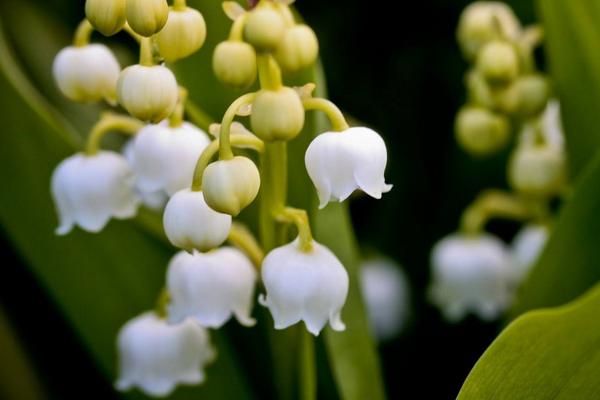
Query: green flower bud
[[234, 64], [183, 34], [479, 90], [538, 170], [147, 17], [498, 62], [532, 92], [264, 28], [298, 49], [148, 93], [229, 186], [277, 114], [482, 22], [106, 16], [480, 132]]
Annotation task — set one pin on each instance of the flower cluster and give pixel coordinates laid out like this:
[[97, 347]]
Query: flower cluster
[[169, 166], [473, 271]]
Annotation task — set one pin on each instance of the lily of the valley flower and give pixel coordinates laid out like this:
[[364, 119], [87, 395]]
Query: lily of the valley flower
[[164, 158], [154, 200], [211, 287], [470, 274], [526, 249], [309, 286], [191, 224], [340, 162], [89, 190], [155, 356], [87, 73]]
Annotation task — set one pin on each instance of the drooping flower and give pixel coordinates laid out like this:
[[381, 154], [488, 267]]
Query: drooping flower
[[156, 357], [387, 296], [154, 200], [89, 190], [340, 162], [191, 224], [526, 248], [309, 286], [87, 73], [470, 274], [164, 158], [211, 287]]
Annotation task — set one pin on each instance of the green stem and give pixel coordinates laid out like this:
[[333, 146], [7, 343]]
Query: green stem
[[162, 302], [176, 118], [179, 5], [225, 152], [299, 218], [335, 116], [243, 239], [243, 141], [108, 123], [273, 193], [83, 34], [136, 36], [236, 34], [306, 367], [198, 116], [269, 72], [146, 56]]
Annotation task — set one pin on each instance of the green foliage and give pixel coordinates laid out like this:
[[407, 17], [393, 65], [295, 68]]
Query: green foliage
[[544, 354]]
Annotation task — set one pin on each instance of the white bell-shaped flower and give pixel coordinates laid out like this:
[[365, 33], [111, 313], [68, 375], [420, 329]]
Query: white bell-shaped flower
[[89, 190], [470, 274], [191, 224], [164, 158], [211, 287], [526, 248], [340, 162], [87, 73], [154, 200], [309, 286], [156, 357], [386, 293]]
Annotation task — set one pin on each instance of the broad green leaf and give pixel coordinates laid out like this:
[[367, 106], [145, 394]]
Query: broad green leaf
[[544, 354], [573, 47], [99, 281]]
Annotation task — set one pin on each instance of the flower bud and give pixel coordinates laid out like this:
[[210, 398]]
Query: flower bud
[[480, 132], [148, 93], [147, 17], [340, 162], [526, 248], [191, 224], [106, 16], [234, 64], [484, 21], [89, 190], [309, 286], [277, 114], [498, 62], [264, 28], [298, 49], [87, 73], [230, 185], [537, 170], [183, 34], [533, 92], [470, 274], [211, 287], [156, 357]]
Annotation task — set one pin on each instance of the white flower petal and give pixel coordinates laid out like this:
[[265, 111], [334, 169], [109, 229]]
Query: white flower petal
[[211, 287], [526, 249]]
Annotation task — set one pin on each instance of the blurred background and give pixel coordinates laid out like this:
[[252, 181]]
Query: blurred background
[[398, 72]]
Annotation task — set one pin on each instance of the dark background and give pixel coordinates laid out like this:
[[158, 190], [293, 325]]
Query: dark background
[[401, 73]]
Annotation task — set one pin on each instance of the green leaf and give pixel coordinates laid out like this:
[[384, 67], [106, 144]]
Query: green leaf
[[573, 35], [99, 281], [544, 354]]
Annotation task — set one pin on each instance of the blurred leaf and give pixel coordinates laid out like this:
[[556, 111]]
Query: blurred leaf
[[573, 46], [569, 264], [545, 354], [99, 281]]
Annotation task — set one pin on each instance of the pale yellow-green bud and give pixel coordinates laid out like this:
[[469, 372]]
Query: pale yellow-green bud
[[234, 64], [148, 93], [231, 185], [147, 17], [183, 34], [479, 90], [484, 21], [533, 92], [498, 62], [298, 49], [106, 16], [277, 114], [264, 28], [537, 170], [481, 132]]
